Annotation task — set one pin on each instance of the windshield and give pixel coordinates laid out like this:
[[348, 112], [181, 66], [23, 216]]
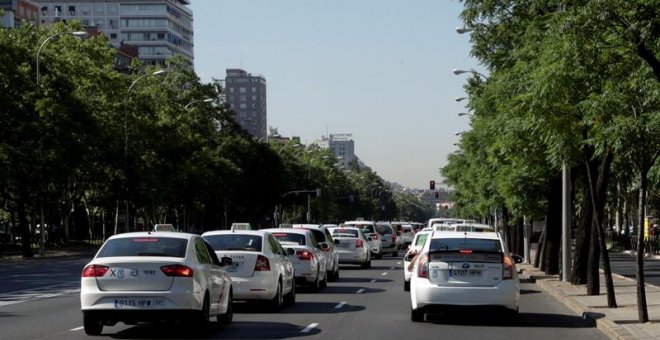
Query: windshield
[[144, 246], [234, 242]]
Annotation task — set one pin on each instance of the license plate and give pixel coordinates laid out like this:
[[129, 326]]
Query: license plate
[[344, 245], [464, 272], [138, 303], [233, 267]]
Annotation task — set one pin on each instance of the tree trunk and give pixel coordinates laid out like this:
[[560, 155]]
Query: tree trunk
[[542, 250], [520, 235], [642, 309], [24, 230], [553, 226], [582, 244], [593, 276], [505, 226], [537, 255]]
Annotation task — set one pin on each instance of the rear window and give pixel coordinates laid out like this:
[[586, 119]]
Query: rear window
[[383, 229], [234, 242], [465, 243], [421, 239], [318, 235], [345, 233], [144, 246], [290, 237]]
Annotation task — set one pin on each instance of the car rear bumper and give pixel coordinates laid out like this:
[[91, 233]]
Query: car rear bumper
[[110, 317], [178, 297], [425, 294], [353, 257], [253, 288]]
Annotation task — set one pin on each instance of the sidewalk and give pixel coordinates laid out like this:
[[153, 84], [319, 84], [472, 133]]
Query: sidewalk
[[617, 323]]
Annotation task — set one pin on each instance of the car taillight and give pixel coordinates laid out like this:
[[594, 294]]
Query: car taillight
[[507, 268], [304, 255], [359, 244], [262, 264], [94, 271], [393, 238], [374, 236], [423, 266], [177, 270]]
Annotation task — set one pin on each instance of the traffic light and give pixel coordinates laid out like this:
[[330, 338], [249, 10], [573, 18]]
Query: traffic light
[[432, 185], [436, 194]]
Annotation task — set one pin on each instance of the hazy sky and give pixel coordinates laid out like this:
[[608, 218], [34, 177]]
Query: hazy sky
[[379, 69]]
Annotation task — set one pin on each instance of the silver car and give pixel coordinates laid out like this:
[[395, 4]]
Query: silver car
[[352, 246], [324, 238]]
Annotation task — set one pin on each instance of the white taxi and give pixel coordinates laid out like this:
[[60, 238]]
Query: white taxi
[[154, 276], [324, 238], [260, 269], [352, 246], [415, 247], [369, 230], [464, 269]]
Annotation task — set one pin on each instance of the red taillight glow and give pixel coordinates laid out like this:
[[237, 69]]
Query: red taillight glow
[[94, 271], [466, 251], [262, 264], [359, 244], [177, 270], [507, 268], [393, 238], [304, 255], [423, 266]]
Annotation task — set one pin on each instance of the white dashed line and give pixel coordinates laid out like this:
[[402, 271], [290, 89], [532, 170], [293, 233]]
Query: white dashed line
[[392, 268], [77, 328], [360, 291], [398, 262], [385, 273], [341, 304], [373, 281], [309, 328]]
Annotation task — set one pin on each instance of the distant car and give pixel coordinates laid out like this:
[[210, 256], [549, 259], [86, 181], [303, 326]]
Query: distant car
[[145, 276], [352, 246], [260, 269], [324, 238], [415, 247], [407, 234], [309, 263], [388, 239], [464, 269], [164, 227], [369, 230]]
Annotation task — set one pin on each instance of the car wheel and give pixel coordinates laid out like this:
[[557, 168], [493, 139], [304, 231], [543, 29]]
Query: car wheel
[[226, 318], [335, 276], [290, 299], [365, 264], [379, 256], [278, 300], [406, 286], [395, 254], [316, 285], [324, 282], [92, 325], [204, 314], [417, 315]]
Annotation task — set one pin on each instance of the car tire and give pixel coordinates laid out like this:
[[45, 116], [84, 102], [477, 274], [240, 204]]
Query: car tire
[[290, 299], [417, 315], [335, 276], [277, 301], [379, 255], [316, 285], [365, 264], [395, 254], [225, 319], [406, 286], [92, 325], [203, 316], [324, 282]]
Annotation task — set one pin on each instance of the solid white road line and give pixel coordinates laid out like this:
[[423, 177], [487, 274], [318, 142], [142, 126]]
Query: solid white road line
[[341, 304], [77, 328], [309, 328], [360, 291]]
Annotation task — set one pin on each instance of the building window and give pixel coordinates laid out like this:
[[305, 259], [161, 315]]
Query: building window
[[72, 10], [231, 90], [242, 90], [44, 12], [243, 98], [254, 97], [243, 106], [58, 11], [254, 90], [113, 36]]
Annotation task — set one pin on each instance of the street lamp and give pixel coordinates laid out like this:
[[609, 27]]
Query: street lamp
[[461, 114], [460, 99], [461, 30], [459, 133], [473, 71], [128, 94], [78, 34], [205, 100]]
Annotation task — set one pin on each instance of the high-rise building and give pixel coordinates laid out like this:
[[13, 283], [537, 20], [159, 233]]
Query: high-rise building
[[16, 11], [342, 146], [246, 94], [159, 28]]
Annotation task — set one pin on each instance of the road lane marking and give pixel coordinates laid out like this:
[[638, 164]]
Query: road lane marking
[[341, 304], [309, 328], [392, 268], [385, 273], [373, 281], [360, 291], [77, 328], [398, 262]]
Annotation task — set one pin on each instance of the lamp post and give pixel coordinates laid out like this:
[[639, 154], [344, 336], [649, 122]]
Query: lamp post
[[460, 99], [79, 34], [459, 133], [461, 114], [205, 100], [473, 71], [128, 94], [461, 30]]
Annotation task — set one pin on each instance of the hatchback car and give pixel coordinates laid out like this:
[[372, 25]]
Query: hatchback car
[[260, 269], [309, 264], [369, 230], [352, 245], [145, 276], [464, 269], [324, 238]]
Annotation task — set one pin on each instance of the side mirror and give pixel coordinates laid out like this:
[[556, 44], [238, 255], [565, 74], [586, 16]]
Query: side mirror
[[225, 261], [290, 251], [325, 247], [336, 242], [517, 258]]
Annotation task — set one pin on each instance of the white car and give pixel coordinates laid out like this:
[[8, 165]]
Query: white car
[[407, 234], [369, 230], [324, 238], [415, 247], [154, 276], [352, 245], [260, 269], [464, 269], [309, 264]]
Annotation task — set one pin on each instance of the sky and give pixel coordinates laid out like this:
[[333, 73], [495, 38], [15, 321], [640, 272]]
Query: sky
[[380, 70]]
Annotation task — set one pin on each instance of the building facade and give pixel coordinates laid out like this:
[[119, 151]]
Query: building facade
[[246, 94], [342, 145], [16, 11], [158, 28]]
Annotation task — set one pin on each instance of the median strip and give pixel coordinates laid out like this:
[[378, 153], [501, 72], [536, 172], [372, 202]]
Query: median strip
[[309, 328]]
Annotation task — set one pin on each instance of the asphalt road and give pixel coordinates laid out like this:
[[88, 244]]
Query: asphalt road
[[624, 264], [363, 304]]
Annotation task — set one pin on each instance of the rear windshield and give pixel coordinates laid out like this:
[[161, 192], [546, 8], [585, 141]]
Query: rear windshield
[[290, 237], [465, 243], [144, 246], [383, 229], [421, 239], [345, 233], [234, 242]]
